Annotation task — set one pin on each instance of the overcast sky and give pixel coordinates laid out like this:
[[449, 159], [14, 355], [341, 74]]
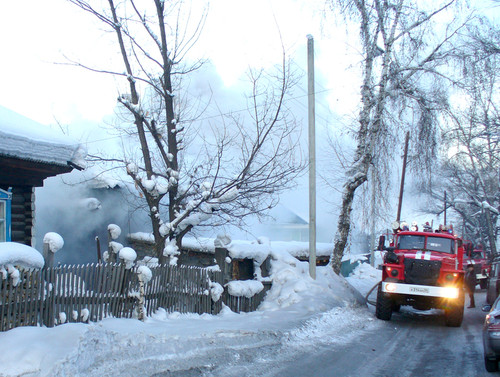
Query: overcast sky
[[36, 34]]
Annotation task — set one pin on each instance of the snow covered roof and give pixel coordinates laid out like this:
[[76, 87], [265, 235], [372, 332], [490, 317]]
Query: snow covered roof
[[25, 139], [284, 215]]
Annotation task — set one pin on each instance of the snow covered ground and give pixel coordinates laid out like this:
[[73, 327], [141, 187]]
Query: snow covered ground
[[298, 312]]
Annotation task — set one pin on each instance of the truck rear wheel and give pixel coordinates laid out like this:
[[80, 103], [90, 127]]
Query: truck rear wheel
[[455, 313], [383, 308]]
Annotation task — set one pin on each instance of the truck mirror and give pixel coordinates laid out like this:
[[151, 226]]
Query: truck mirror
[[381, 243]]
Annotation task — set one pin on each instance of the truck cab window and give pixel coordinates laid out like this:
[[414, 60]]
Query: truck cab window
[[408, 242]]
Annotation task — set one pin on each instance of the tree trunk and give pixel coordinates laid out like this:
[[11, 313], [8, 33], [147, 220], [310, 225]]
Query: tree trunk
[[491, 232], [344, 223]]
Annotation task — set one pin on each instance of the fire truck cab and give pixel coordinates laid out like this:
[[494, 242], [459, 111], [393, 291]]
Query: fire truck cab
[[423, 270]]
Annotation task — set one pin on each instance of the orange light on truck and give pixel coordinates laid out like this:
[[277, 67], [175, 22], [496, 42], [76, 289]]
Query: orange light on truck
[[390, 287]]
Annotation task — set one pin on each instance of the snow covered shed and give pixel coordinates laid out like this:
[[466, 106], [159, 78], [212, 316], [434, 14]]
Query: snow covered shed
[[29, 153]]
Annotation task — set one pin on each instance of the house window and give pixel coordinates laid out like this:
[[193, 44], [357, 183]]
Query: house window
[[5, 215]]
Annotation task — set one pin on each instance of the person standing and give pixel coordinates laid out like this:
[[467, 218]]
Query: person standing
[[470, 284]]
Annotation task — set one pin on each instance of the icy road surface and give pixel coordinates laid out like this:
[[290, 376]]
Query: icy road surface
[[411, 344]]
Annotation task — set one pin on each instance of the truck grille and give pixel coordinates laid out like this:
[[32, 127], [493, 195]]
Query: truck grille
[[418, 271]]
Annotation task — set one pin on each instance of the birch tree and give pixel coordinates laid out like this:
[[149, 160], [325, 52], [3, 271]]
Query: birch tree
[[471, 136], [403, 68], [189, 172]]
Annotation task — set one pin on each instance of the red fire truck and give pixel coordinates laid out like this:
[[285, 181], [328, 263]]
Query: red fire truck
[[423, 270], [477, 257]]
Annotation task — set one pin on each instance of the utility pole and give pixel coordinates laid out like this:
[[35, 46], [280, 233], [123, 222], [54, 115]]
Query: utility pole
[[312, 157], [444, 208], [403, 173], [372, 225]]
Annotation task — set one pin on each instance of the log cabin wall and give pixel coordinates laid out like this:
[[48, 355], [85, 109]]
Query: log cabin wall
[[23, 206]]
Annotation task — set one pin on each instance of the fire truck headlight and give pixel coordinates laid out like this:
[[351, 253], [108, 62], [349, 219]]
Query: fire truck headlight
[[450, 292], [394, 272], [390, 287], [449, 277]]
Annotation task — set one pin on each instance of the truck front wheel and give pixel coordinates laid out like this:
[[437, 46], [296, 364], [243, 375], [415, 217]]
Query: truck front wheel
[[490, 365], [383, 308], [455, 313]]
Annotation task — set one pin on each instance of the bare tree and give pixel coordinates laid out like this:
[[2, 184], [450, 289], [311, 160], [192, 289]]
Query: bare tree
[[403, 65], [188, 171]]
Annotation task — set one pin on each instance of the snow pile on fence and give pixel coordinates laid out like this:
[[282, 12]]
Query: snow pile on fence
[[17, 254], [207, 245], [247, 288], [128, 255], [54, 241]]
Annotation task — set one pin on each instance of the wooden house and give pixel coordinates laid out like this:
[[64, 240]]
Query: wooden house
[[29, 153]]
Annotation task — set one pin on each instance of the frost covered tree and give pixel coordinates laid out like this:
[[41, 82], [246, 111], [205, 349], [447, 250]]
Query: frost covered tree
[[191, 173], [404, 57], [471, 137]]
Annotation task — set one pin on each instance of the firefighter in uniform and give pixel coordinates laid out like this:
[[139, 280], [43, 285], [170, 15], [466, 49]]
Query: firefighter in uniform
[[470, 284]]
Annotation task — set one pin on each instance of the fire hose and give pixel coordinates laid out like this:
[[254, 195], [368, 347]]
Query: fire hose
[[369, 292]]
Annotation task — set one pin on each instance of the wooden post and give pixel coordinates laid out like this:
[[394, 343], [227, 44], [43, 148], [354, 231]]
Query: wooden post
[[112, 257], [403, 173], [444, 208], [98, 244], [48, 255]]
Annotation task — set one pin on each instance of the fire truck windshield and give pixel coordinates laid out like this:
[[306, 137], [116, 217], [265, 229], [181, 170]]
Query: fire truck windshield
[[444, 245], [410, 242]]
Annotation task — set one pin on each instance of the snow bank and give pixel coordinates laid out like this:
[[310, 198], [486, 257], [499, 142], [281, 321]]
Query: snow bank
[[293, 286], [298, 311], [364, 277], [17, 254]]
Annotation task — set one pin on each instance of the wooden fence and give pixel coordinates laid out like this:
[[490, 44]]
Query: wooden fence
[[82, 293], [244, 304]]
